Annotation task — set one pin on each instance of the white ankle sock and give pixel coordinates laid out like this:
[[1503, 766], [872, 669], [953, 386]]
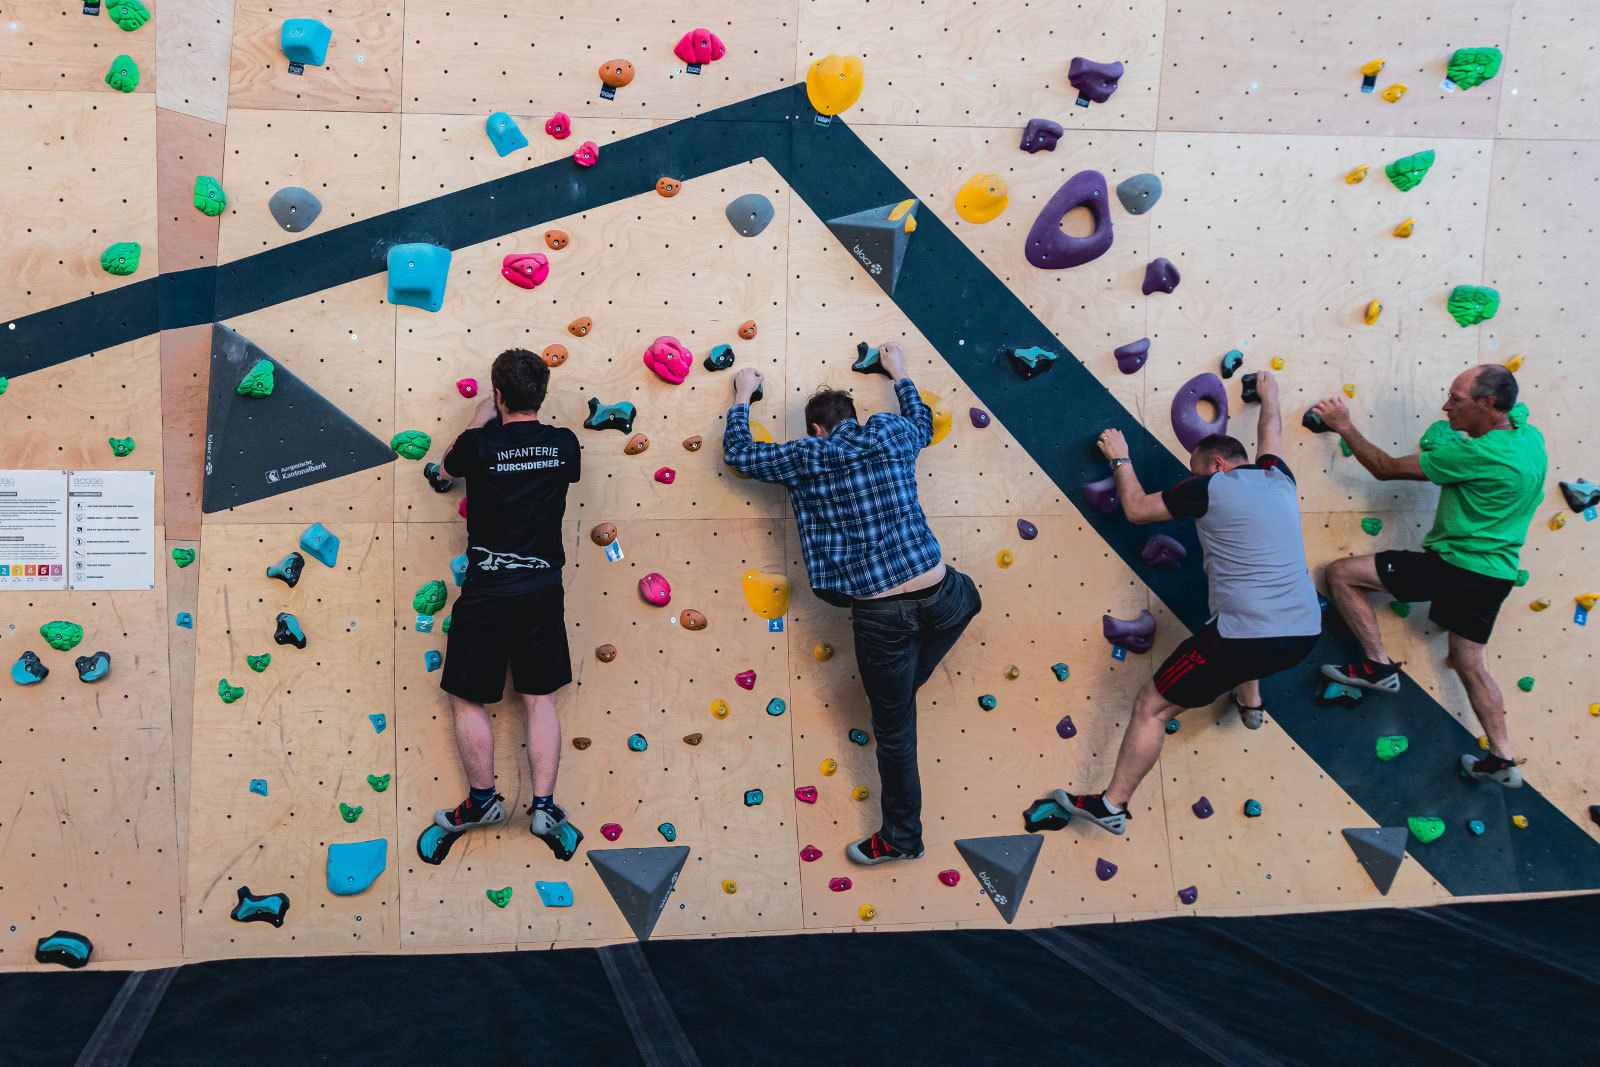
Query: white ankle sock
[[1112, 808]]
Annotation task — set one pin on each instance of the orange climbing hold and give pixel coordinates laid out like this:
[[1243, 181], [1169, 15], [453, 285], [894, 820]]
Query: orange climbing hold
[[580, 327], [554, 355], [747, 329], [834, 83], [767, 594], [942, 419], [668, 187], [555, 240], [982, 198]]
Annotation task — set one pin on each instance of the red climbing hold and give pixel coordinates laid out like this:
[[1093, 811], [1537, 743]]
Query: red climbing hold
[[949, 877], [839, 885], [655, 589], [746, 679], [666, 475], [807, 793], [699, 47], [587, 155], [461, 508], [558, 126], [467, 387], [610, 831], [811, 853], [669, 359], [525, 269]]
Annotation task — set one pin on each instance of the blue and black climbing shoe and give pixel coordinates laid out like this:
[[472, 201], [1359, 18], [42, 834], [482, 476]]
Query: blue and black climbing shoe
[[871, 851], [550, 825], [468, 815], [1367, 674], [1092, 806]]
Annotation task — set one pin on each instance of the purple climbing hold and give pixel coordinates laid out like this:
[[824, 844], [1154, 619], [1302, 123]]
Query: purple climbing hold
[[1160, 274], [1131, 356], [1135, 635], [1187, 424], [1049, 247], [1041, 136], [1104, 870], [1202, 809], [1026, 530], [1189, 895], [979, 417], [1065, 729], [1094, 81], [1102, 495], [1163, 553]]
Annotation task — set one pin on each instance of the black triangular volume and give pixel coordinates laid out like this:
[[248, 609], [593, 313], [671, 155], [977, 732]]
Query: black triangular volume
[[1002, 866], [262, 446], [1380, 851], [877, 239], [640, 880]]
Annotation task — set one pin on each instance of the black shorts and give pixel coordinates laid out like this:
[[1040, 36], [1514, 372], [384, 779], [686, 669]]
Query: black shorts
[[527, 631], [1209, 665], [1463, 602]]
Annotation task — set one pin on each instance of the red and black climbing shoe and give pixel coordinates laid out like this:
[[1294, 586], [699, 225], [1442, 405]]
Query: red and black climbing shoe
[[1492, 768], [551, 826], [1367, 674], [871, 851], [467, 815], [1092, 806]]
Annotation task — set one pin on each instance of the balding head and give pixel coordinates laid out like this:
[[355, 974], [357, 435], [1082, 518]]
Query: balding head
[[1479, 399]]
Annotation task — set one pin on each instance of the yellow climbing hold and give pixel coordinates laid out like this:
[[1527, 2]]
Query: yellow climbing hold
[[982, 198], [1370, 316], [829, 767], [1278, 362], [834, 83], [867, 913], [1586, 601], [767, 594], [720, 709], [759, 433], [900, 210], [729, 886], [1483, 742], [1594, 709], [861, 792], [1005, 558], [1395, 92], [1557, 521], [1357, 176], [1519, 821], [1514, 364], [823, 652], [1349, 389], [1373, 69], [1012, 672], [1540, 604], [1405, 228], [942, 420]]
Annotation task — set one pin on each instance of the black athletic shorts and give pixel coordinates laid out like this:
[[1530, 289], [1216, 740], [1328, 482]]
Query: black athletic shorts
[[1463, 602], [1209, 665], [527, 631]]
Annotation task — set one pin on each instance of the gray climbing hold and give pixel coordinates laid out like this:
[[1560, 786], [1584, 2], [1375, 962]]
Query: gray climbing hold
[[640, 880], [1002, 866], [294, 208], [1139, 193], [354, 866], [1380, 851], [750, 214]]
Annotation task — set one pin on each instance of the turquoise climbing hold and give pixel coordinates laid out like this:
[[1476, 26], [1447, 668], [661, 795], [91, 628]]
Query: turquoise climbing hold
[[1475, 827], [776, 706], [29, 669], [637, 743], [380, 722], [504, 133], [353, 866], [554, 894], [752, 797], [1172, 726], [668, 831], [417, 275], [1062, 671], [458, 569], [432, 660], [987, 702], [258, 786], [320, 544], [184, 620], [305, 41], [858, 737], [1252, 809]]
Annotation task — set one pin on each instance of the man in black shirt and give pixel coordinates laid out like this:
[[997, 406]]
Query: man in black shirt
[[510, 611]]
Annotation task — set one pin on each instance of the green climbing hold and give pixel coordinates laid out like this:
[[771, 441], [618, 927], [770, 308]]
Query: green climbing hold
[[1471, 67], [498, 897], [1344, 448], [229, 693], [1408, 171], [1373, 527], [258, 382], [183, 557], [209, 199], [445, 626], [1525, 684], [121, 258], [411, 444], [123, 75], [1522, 576], [1400, 607], [1472, 304], [379, 783], [1426, 828], [61, 636], [128, 14], [120, 446], [1391, 746], [258, 663], [430, 598], [4, 384], [349, 814]]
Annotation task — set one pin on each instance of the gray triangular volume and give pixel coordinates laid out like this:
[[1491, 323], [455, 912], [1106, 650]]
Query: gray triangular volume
[[261, 446], [877, 241], [1002, 866], [1380, 852], [640, 880]]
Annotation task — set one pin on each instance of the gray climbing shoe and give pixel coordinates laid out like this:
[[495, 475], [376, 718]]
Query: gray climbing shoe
[[1253, 718], [1092, 806], [468, 816], [1509, 777]]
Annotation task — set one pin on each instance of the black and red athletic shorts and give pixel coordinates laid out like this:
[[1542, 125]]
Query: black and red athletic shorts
[[1208, 665]]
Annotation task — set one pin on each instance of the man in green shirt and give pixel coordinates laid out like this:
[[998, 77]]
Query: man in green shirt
[[1490, 483]]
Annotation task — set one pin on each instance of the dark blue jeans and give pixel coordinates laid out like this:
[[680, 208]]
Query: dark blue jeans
[[898, 645]]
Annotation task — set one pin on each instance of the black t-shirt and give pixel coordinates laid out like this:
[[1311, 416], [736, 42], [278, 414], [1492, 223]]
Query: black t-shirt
[[517, 477]]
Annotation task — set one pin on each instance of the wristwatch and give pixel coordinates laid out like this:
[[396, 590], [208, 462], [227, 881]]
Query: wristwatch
[[1119, 461]]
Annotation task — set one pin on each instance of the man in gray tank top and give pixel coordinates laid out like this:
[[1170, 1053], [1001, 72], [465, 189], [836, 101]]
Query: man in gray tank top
[[1264, 612]]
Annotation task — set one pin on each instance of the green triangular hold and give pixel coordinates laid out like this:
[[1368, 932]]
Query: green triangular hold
[[258, 382], [1002, 866], [1380, 852], [640, 880]]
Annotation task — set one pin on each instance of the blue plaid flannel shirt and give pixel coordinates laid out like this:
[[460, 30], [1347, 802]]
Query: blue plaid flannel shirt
[[854, 494]]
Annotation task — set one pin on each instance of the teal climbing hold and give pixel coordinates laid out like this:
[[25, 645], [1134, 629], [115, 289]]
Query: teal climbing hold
[[1252, 809], [61, 636], [380, 722], [65, 948], [29, 669], [637, 743], [429, 598], [321, 545], [609, 416], [121, 446], [858, 737], [124, 78], [554, 894], [417, 275], [185, 620], [1172, 726], [987, 702], [432, 660], [257, 382], [504, 133], [209, 199], [752, 797], [1475, 827], [258, 786], [355, 865], [288, 569], [1062, 671], [776, 706], [258, 663], [1045, 814], [668, 831], [305, 41], [1031, 362], [458, 569], [1337, 694], [411, 444]]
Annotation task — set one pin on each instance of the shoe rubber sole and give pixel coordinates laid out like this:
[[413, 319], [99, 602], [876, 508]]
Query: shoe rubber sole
[[1390, 684]]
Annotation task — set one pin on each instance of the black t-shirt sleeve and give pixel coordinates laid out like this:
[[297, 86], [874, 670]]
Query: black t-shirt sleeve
[[461, 461], [1270, 462], [576, 451], [1190, 498]]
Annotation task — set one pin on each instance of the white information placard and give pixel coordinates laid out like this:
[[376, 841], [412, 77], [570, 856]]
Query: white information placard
[[33, 530], [111, 530]]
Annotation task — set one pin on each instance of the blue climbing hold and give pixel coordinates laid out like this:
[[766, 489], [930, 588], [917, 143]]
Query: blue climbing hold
[[1476, 827], [637, 743], [185, 620], [458, 569], [1172, 726], [417, 274], [258, 786], [305, 41], [434, 844], [380, 721], [64, 947], [668, 831], [610, 416], [504, 133], [424, 624], [29, 669], [255, 908], [858, 737], [1062, 671], [93, 668], [432, 660], [355, 865], [1232, 362], [554, 894], [776, 706], [288, 631], [752, 797], [320, 544]]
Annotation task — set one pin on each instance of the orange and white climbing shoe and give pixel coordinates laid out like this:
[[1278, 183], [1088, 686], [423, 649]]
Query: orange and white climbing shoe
[[1092, 806]]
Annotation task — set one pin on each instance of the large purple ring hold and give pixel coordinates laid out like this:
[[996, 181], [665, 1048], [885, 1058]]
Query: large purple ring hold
[[1094, 81], [1159, 274], [1041, 136], [1135, 635], [1049, 247], [1163, 553], [1102, 495], [1186, 421], [1131, 356]]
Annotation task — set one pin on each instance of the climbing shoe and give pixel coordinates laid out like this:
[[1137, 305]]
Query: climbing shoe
[[550, 825], [1092, 806], [1253, 718], [1367, 674], [1491, 768], [871, 851], [469, 816]]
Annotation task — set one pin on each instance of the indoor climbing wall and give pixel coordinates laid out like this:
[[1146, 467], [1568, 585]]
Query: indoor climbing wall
[[147, 812]]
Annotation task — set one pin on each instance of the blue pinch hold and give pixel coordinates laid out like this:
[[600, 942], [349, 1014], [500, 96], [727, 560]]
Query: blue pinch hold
[[29, 669], [305, 41], [320, 544], [185, 620], [458, 569], [258, 786], [504, 133], [776, 706], [432, 660], [554, 894], [380, 722], [417, 275], [668, 831], [637, 743], [355, 865], [752, 797]]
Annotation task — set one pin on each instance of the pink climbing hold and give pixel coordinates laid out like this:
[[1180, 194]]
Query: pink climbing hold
[[1065, 730], [811, 853], [1102, 495], [1104, 870], [1131, 356], [610, 831], [746, 679], [669, 359], [461, 508], [839, 885], [1026, 530], [949, 877], [467, 387], [655, 589], [558, 126], [699, 47], [806, 793], [1202, 809], [525, 269], [587, 155], [979, 417], [666, 475]]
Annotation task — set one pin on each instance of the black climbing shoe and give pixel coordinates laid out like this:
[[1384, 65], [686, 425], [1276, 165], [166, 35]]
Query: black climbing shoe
[[468, 816], [871, 851], [550, 825], [1092, 806], [1368, 674], [1253, 718]]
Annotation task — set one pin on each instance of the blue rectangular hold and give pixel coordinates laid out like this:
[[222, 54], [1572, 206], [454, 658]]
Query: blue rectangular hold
[[417, 274], [504, 133], [305, 41]]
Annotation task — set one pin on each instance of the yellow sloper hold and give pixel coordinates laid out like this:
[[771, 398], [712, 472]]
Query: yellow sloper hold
[[1519, 821], [1357, 176], [1350, 389], [941, 415], [1405, 228], [729, 886], [861, 792], [1395, 92], [982, 198], [767, 594], [1373, 69], [760, 433], [1557, 521], [1540, 604], [1370, 316], [1514, 364], [720, 709], [1278, 362], [829, 767], [867, 913], [1586, 601], [1594, 709], [900, 210], [834, 83], [1483, 742]]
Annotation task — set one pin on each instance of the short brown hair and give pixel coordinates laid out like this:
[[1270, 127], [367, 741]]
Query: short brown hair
[[1221, 446], [1497, 383], [829, 407], [521, 378]]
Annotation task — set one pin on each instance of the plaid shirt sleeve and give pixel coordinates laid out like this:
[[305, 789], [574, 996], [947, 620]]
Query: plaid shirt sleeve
[[918, 413], [757, 459]]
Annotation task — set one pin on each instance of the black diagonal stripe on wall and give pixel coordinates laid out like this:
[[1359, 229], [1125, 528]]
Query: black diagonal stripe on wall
[[970, 316]]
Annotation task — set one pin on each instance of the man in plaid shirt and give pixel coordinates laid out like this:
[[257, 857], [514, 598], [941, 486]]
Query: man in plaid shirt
[[867, 546]]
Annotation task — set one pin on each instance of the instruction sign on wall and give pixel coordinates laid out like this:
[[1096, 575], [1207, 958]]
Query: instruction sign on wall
[[77, 529]]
